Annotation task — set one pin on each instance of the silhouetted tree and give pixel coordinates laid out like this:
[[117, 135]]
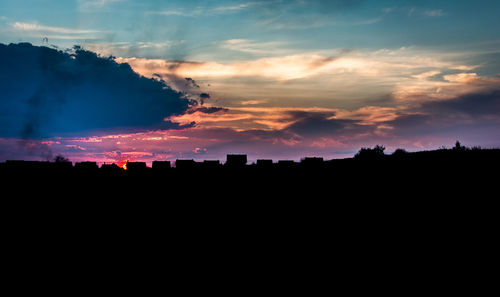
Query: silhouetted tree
[[60, 158], [459, 147], [399, 152], [371, 153]]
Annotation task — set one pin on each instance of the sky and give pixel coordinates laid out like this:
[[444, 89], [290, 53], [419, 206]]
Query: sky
[[144, 80]]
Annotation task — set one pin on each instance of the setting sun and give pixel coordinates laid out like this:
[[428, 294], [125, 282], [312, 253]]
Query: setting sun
[[122, 165]]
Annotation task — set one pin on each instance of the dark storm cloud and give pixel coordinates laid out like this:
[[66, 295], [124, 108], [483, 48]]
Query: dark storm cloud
[[475, 104], [191, 83], [321, 124], [413, 124], [478, 110], [186, 86], [203, 97], [44, 92], [207, 110]]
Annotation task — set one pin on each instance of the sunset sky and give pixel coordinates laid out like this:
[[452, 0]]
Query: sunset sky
[[144, 80]]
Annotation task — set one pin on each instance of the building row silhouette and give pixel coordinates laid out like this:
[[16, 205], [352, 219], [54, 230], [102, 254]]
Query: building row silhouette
[[442, 158], [238, 161]]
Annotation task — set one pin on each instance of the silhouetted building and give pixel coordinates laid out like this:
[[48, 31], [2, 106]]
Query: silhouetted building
[[26, 165], [86, 166], [312, 162], [264, 163], [211, 164], [110, 168], [136, 166], [185, 164], [65, 165], [286, 164], [236, 161], [161, 165]]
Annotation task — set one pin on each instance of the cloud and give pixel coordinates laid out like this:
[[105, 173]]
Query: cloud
[[286, 22], [434, 13], [207, 110], [450, 87], [382, 66], [336, 77], [191, 13], [34, 29], [461, 77], [253, 47], [334, 5], [466, 115], [133, 49], [213, 11], [297, 120], [434, 95], [48, 92], [315, 124], [241, 6], [292, 133], [282, 68], [485, 104], [307, 14], [252, 102], [94, 5], [265, 8], [210, 117], [428, 123], [427, 74]]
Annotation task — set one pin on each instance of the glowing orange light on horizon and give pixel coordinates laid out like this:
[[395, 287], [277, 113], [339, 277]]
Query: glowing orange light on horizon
[[123, 165]]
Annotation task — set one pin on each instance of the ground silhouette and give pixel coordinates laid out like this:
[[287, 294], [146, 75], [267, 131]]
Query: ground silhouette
[[369, 172], [372, 212]]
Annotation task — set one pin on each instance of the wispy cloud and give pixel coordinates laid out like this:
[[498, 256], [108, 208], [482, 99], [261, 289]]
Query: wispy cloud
[[187, 13], [39, 31], [434, 13], [199, 10], [92, 5], [278, 118], [378, 64], [241, 6], [335, 78], [35, 27], [252, 102], [388, 9], [292, 22], [129, 48], [253, 47], [414, 11], [281, 68]]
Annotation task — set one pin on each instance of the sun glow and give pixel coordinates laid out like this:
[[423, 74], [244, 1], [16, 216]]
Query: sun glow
[[122, 165]]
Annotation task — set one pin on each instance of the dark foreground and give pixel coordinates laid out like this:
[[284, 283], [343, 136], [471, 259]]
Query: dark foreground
[[406, 223], [443, 173], [433, 184]]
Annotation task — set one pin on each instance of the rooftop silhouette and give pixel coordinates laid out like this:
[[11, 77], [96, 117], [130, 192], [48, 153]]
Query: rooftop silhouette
[[375, 158]]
